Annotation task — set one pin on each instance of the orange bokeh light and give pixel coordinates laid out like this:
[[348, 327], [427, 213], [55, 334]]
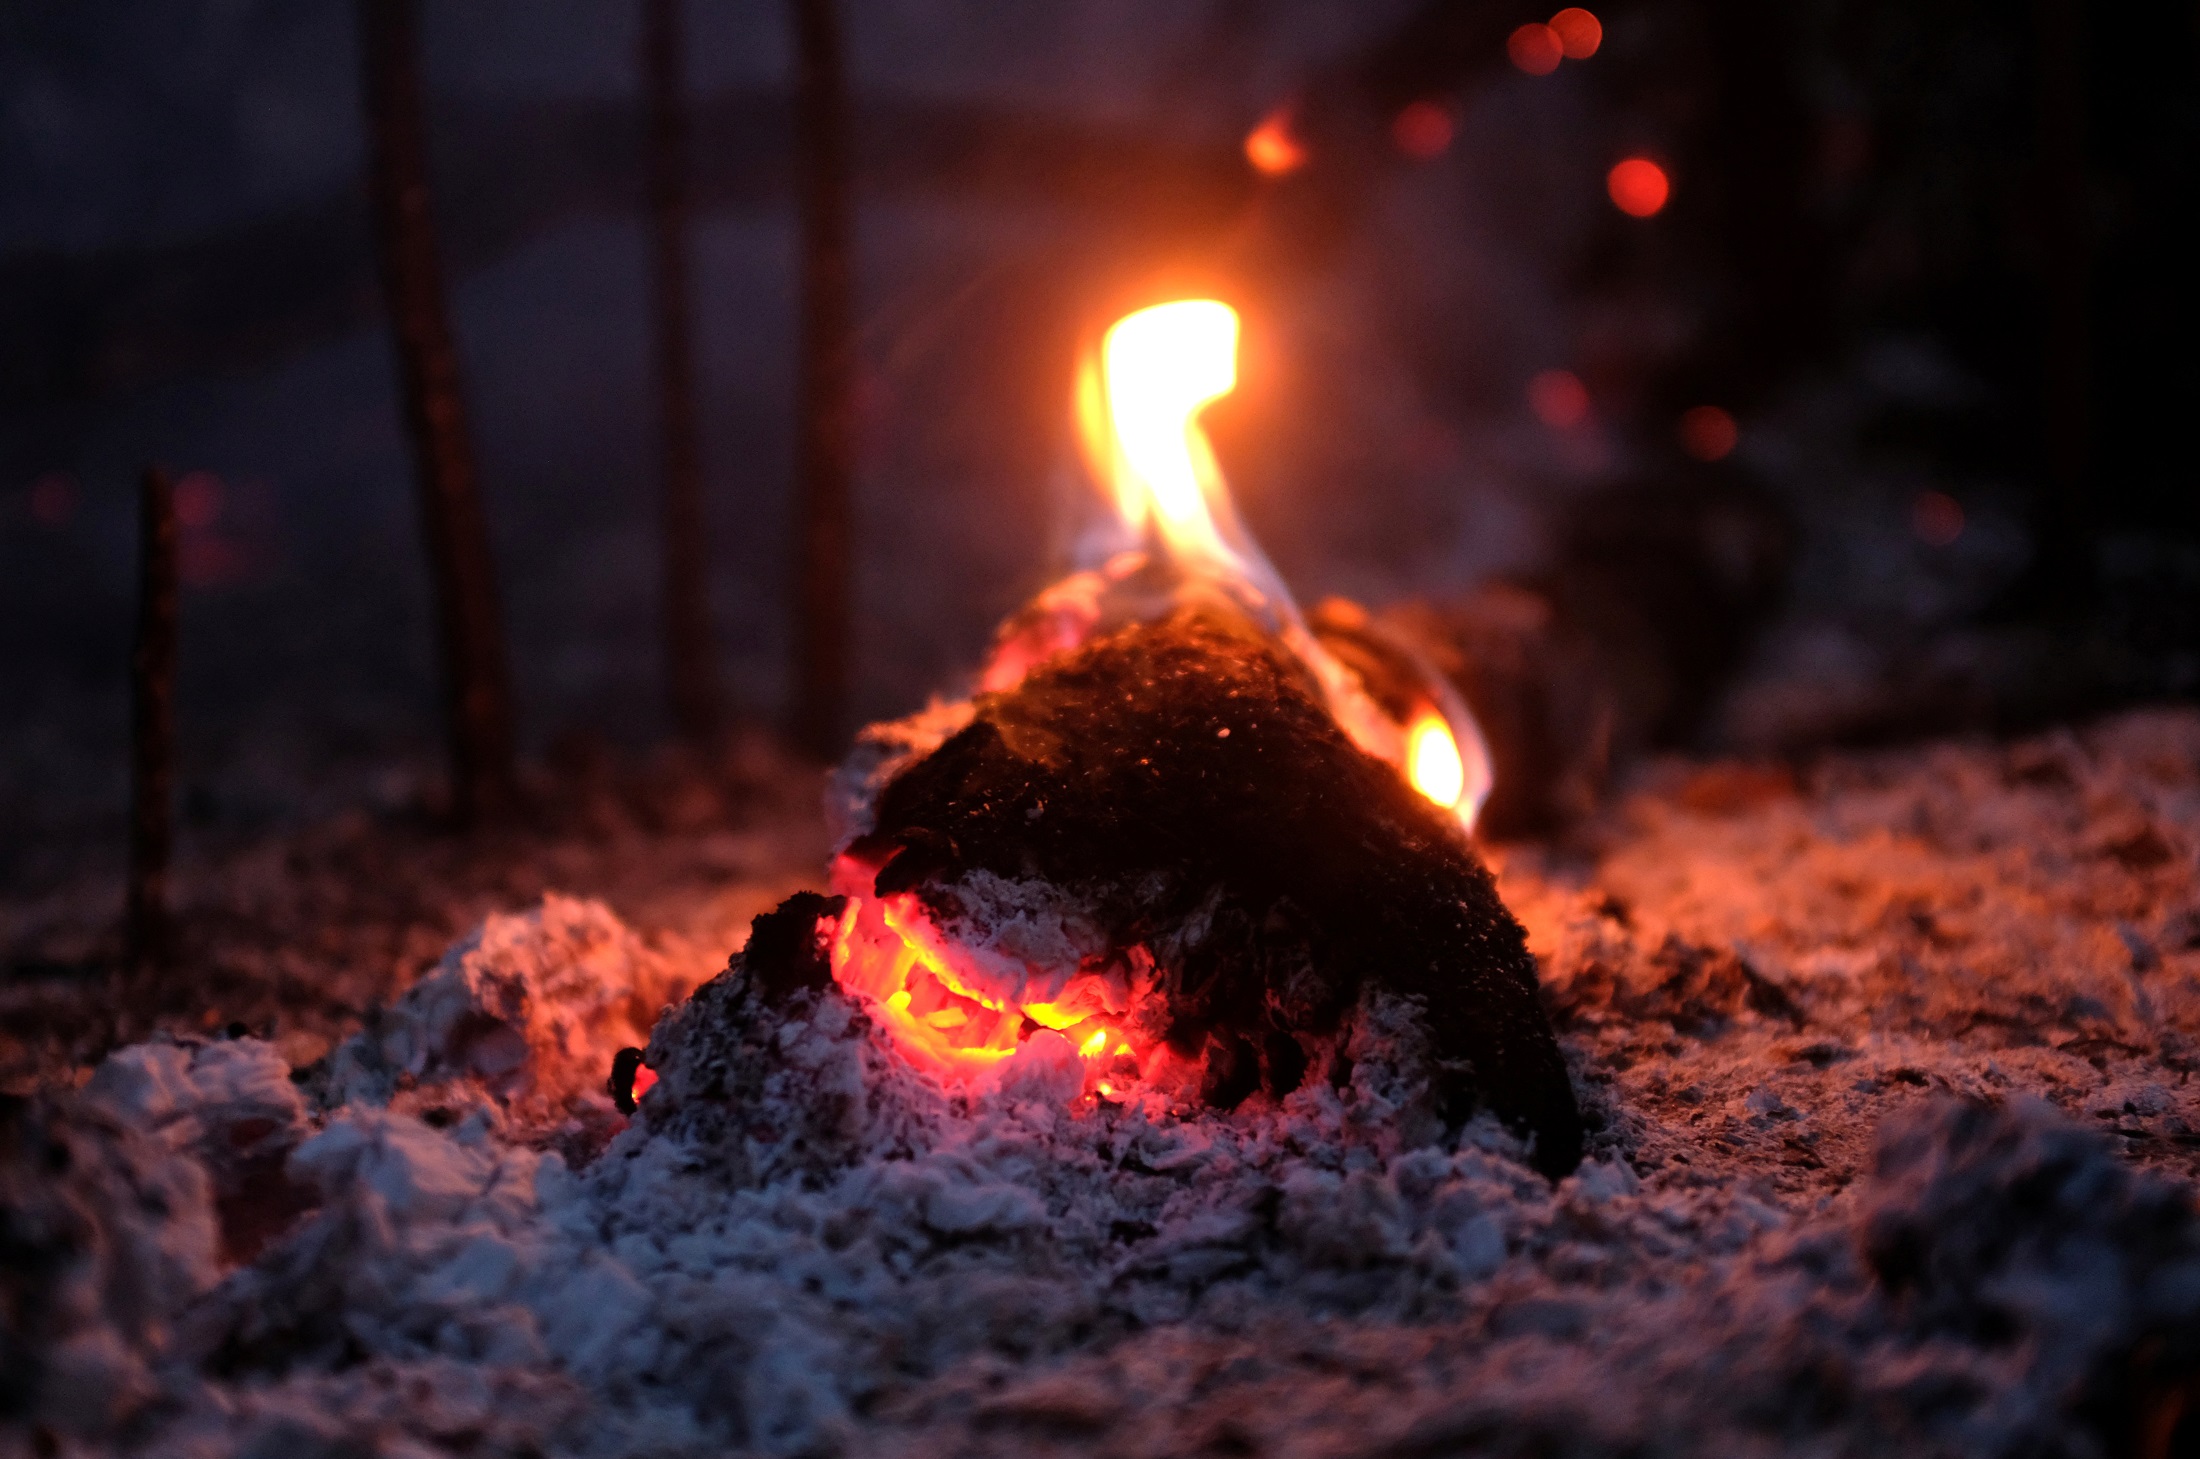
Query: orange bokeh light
[[1579, 32], [1559, 399], [1271, 147], [1709, 433], [1639, 187], [1423, 130], [1536, 49]]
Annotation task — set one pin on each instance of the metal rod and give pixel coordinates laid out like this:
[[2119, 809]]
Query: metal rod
[[690, 666], [477, 692], [826, 444], [148, 935]]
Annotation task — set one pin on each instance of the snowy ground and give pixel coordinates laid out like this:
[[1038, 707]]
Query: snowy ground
[[1889, 1060]]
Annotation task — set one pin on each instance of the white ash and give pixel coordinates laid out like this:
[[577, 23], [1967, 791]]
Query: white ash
[[1845, 1037]]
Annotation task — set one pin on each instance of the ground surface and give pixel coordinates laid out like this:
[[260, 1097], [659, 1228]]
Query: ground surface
[[390, 1230]]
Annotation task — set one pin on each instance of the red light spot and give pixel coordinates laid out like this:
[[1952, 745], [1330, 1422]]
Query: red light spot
[[1936, 518], [1423, 130], [1536, 49], [1271, 147], [1579, 33], [1709, 433], [1639, 187], [645, 1079], [199, 500], [53, 499], [1559, 399]]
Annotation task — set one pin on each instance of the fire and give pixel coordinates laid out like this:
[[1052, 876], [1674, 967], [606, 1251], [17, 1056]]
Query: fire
[[959, 1020], [961, 1012], [1433, 762], [1138, 411], [1160, 366]]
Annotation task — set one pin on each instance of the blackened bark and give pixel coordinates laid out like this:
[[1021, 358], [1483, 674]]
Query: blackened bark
[[148, 939], [477, 692], [1181, 781], [690, 670], [826, 428]]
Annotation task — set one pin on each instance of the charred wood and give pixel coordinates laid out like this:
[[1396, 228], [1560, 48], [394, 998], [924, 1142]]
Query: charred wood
[[1186, 788]]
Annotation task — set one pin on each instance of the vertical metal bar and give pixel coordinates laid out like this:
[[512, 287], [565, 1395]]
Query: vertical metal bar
[[477, 692], [826, 445], [690, 666], [147, 937]]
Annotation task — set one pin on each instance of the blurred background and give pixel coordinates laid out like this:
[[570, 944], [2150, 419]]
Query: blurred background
[[1882, 310]]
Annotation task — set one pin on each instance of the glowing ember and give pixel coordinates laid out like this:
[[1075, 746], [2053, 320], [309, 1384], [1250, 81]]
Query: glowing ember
[[1579, 32], [1639, 187], [1271, 147], [951, 1017], [1536, 49]]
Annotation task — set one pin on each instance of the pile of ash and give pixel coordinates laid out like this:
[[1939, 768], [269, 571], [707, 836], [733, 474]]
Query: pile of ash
[[1875, 1059]]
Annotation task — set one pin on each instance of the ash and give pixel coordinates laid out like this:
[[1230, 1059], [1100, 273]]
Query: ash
[[1889, 1061]]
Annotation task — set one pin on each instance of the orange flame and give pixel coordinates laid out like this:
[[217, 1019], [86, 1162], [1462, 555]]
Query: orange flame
[[1138, 410], [1433, 762]]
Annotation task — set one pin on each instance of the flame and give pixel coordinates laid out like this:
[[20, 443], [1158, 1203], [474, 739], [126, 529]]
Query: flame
[[1158, 368], [1138, 406], [1433, 762]]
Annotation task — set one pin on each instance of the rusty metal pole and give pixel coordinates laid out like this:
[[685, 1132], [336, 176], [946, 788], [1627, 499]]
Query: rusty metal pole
[[690, 666], [477, 692], [826, 406], [148, 929]]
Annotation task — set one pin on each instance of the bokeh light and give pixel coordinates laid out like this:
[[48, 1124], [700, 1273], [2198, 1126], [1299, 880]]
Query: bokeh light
[[198, 500], [1271, 147], [1579, 32], [1936, 518], [1423, 130], [1639, 187], [1559, 399], [1536, 49], [53, 499], [1709, 433]]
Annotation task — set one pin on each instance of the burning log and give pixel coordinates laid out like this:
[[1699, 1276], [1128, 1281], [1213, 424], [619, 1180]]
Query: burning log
[[1175, 849], [1238, 878]]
